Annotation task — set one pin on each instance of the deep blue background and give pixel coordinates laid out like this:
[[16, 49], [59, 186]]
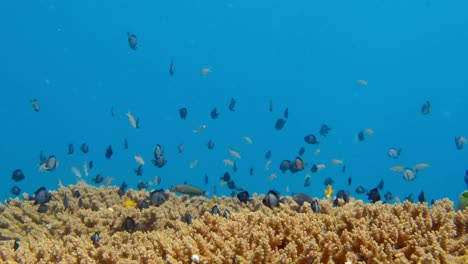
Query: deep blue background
[[75, 60]]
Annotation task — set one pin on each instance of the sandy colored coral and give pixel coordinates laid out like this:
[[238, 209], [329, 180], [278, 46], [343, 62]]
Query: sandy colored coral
[[253, 233]]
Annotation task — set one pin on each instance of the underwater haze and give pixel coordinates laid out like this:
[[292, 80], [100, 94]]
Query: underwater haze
[[356, 66]]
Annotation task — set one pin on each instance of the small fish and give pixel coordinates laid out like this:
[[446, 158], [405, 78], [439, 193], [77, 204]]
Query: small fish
[[234, 153], [268, 154], [307, 180], [181, 148], [466, 178], [349, 181], [409, 174], [421, 197], [95, 238], [381, 184], [132, 120], [394, 153], [188, 189], [285, 165], [98, 179], [113, 111], [211, 144], [142, 185], [91, 164], [125, 143], [251, 171], [16, 245], [248, 140], [234, 168], [76, 171], [272, 176], [214, 114], [17, 175], [362, 83], [360, 190], [421, 166], [343, 169], [337, 162], [132, 41], [370, 131], [206, 179], [84, 148], [301, 151], [460, 141], [228, 162], [388, 196], [139, 160], [212, 201], [205, 71], [426, 108], [129, 225], [280, 124], [324, 130], [360, 136], [373, 195], [65, 201], [271, 199], [200, 129], [71, 149], [328, 191], [243, 196], [267, 165], [15, 190], [183, 113], [129, 203], [42, 157], [172, 68], [35, 105], [232, 105], [286, 113], [109, 152], [139, 170], [85, 169], [328, 181], [317, 167], [270, 106], [397, 168], [311, 139], [122, 189], [193, 164], [42, 196]]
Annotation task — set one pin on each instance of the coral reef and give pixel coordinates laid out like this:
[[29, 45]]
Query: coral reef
[[252, 233]]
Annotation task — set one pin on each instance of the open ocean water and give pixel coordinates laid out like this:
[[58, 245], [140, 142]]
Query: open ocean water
[[74, 59]]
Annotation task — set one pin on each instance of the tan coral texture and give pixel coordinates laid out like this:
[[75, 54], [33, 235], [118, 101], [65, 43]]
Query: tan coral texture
[[253, 233]]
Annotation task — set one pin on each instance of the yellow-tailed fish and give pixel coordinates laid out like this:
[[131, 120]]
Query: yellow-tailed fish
[[130, 203], [212, 201], [328, 191]]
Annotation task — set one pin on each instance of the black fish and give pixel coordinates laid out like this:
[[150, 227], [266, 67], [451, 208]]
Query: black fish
[[268, 154], [132, 41], [226, 213], [426, 108], [328, 181], [300, 198], [231, 184], [466, 178], [459, 141], [16, 245], [71, 149], [226, 177], [183, 113], [122, 188], [129, 225], [286, 113], [158, 151], [251, 171], [243, 196], [301, 151], [342, 194], [65, 201], [206, 179], [15, 190], [172, 68], [159, 162], [143, 205], [361, 136], [158, 197], [285, 165], [35, 105], [421, 197], [51, 163], [76, 194], [360, 190], [210, 144], [373, 195], [91, 164], [188, 218], [324, 130], [42, 157], [215, 210], [232, 105], [95, 238], [280, 123], [409, 198], [388, 196], [310, 139], [42, 209], [214, 113], [17, 175], [381, 184], [315, 206], [139, 171], [297, 165], [271, 199], [270, 106], [314, 168], [42, 196], [343, 169], [307, 182], [234, 167], [84, 148], [109, 152], [125, 143], [98, 179], [142, 185], [349, 181]]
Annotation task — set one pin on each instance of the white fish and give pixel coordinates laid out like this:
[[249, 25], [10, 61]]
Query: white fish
[[193, 164], [199, 128], [228, 162], [267, 165], [234, 153], [132, 120], [139, 160], [76, 171], [248, 140], [85, 169]]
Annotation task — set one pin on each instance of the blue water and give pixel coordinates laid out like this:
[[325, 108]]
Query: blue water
[[74, 59]]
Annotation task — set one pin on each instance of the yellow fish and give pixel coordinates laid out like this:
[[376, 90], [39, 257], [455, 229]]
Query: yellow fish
[[328, 191], [212, 202], [130, 203], [132, 120]]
